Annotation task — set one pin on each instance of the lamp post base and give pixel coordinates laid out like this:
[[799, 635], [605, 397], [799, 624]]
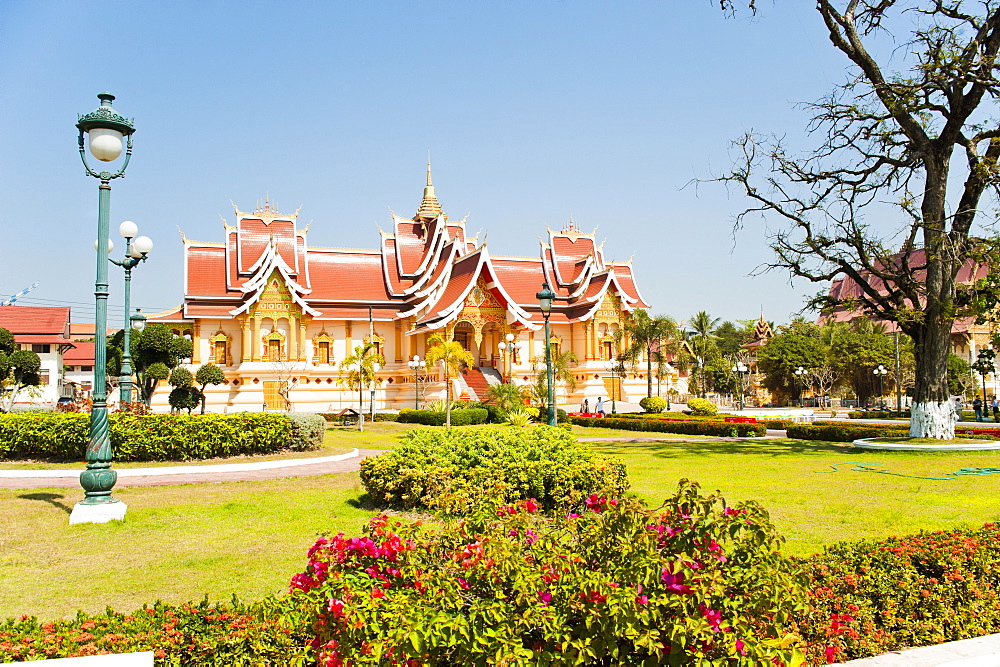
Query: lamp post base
[[84, 512]]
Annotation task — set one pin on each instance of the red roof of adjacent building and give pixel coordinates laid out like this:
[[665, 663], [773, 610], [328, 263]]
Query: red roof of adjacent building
[[424, 268], [81, 355], [35, 320]]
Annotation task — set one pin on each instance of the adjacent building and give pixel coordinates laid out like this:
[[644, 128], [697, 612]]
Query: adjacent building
[[45, 331]]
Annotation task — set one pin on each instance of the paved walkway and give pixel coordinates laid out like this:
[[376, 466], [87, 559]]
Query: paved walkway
[[193, 474], [977, 652]]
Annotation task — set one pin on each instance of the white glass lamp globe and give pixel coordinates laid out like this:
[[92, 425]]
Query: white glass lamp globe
[[105, 144], [111, 246], [128, 229], [141, 246], [509, 337]]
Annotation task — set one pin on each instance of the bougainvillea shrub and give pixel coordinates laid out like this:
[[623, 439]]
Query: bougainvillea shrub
[[450, 471], [187, 634], [691, 582], [871, 597]]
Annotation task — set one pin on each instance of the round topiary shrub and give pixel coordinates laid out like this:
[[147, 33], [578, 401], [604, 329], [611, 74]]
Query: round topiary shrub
[[451, 471], [653, 404], [702, 407], [612, 582]]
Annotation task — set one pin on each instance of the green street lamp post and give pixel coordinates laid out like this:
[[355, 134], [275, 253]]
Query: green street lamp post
[[741, 370], [418, 366], [880, 374], [508, 347], [104, 129], [545, 298], [800, 372], [984, 365], [136, 250]]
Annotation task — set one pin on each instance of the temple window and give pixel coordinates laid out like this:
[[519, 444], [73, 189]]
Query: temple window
[[322, 349], [221, 349]]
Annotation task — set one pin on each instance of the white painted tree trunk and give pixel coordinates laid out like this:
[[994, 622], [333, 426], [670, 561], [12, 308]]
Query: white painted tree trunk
[[933, 419]]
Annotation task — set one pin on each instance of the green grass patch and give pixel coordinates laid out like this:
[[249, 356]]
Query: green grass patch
[[811, 503], [180, 542]]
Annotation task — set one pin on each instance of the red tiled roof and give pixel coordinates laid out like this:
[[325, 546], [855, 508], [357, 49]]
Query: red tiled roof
[[346, 276], [35, 320], [82, 354], [51, 339], [206, 271]]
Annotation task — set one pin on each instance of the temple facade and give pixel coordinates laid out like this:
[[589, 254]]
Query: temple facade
[[280, 316]]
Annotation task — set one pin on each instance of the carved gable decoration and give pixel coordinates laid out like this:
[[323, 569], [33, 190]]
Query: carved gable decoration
[[276, 300], [610, 309], [481, 297]]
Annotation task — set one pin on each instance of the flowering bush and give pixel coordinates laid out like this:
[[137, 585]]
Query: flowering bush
[[135, 437], [871, 597], [686, 426], [693, 581], [451, 471], [186, 634]]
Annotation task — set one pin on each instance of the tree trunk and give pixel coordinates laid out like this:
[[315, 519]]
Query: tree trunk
[[649, 374], [933, 413], [447, 397]]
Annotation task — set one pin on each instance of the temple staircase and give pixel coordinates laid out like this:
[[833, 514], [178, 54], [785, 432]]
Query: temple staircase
[[476, 382]]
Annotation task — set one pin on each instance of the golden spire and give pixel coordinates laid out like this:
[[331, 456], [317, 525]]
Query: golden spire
[[430, 208]]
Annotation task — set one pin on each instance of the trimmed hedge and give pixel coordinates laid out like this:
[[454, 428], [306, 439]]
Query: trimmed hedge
[[690, 427], [840, 432], [878, 414], [64, 436], [452, 470], [459, 417], [666, 416]]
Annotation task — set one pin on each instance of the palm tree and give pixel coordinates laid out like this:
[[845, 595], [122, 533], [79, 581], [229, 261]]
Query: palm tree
[[360, 367], [702, 340], [561, 362], [452, 355], [653, 336]]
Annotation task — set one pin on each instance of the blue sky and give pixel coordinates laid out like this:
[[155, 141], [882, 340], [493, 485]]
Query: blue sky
[[533, 112]]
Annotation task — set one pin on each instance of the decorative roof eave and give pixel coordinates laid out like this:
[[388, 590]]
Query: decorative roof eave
[[635, 287], [420, 288], [429, 296], [572, 236], [452, 311], [440, 237], [628, 302], [264, 269]]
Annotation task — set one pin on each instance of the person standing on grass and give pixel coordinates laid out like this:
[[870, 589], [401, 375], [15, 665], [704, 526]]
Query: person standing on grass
[[996, 409], [585, 408], [977, 406], [599, 406]]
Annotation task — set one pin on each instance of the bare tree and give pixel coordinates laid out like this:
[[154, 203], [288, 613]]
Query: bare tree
[[286, 374], [823, 379], [870, 203]]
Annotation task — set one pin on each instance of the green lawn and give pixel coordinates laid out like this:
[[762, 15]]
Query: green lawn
[[180, 542]]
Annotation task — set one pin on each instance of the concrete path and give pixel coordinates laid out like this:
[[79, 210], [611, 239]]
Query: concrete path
[[193, 474], [977, 652]]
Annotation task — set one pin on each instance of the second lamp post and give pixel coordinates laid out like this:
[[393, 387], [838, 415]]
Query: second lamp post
[[545, 298], [136, 250]]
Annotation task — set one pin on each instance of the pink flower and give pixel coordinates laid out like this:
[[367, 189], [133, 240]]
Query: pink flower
[[530, 505], [573, 516], [545, 597], [530, 536], [336, 607], [675, 582], [462, 583], [739, 647], [713, 617]]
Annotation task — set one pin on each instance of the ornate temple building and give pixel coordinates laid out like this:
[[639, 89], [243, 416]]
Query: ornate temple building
[[280, 316]]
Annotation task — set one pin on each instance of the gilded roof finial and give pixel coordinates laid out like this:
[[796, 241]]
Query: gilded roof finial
[[430, 208]]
